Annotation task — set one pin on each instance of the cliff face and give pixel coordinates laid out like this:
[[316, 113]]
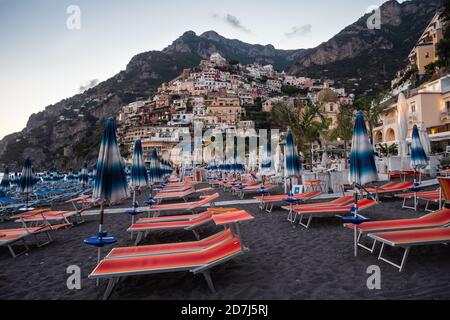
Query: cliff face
[[68, 132]]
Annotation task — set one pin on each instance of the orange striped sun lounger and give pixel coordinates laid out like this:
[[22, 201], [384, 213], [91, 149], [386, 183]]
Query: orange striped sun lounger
[[267, 202], [195, 262], [391, 189], [253, 189], [212, 211], [68, 217], [437, 219], [311, 212], [143, 228], [416, 196], [343, 201], [29, 213], [408, 239], [185, 206], [179, 247], [9, 237], [432, 199], [161, 196]]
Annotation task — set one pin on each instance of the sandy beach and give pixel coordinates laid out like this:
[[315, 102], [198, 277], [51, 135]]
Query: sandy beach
[[284, 262]]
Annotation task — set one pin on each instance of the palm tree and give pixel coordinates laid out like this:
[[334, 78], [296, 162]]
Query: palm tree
[[306, 122], [344, 127], [372, 109]]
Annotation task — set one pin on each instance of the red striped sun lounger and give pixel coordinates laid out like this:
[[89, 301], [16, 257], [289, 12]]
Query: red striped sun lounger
[[185, 206], [343, 201], [437, 219], [143, 228], [184, 195], [408, 239], [179, 247], [391, 189], [253, 189], [10, 237], [267, 202], [51, 216], [434, 196], [195, 262], [312, 212]]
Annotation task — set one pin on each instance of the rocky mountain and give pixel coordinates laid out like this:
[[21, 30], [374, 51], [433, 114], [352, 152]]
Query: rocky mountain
[[364, 60], [66, 133]]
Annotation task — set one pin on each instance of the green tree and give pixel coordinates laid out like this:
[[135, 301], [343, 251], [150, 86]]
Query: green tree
[[372, 108], [306, 122], [344, 127]]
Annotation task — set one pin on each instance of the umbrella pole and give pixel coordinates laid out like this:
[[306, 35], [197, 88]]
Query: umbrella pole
[[355, 232], [100, 228]]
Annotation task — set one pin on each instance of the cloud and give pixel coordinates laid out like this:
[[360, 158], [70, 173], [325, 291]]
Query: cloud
[[299, 31], [90, 84], [233, 21]]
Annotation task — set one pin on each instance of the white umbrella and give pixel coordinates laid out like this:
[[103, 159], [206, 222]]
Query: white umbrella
[[324, 159], [402, 125], [424, 138]]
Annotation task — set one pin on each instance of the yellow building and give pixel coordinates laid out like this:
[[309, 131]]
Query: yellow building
[[428, 104], [226, 109], [424, 52]]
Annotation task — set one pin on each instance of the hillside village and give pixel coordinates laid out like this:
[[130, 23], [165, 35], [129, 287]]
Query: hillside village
[[220, 95]]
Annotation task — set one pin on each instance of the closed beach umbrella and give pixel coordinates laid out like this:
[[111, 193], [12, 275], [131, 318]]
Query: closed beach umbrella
[[27, 181], [5, 184], [418, 156], [402, 125], [110, 181], [362, 163], [155, 172], [266, 163], [292, 164], [139, 177], [84, 176], [425, 138]]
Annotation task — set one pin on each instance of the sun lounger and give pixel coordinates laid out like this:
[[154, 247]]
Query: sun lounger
[[10, 237], [195, 262], [253, 189], [185, 206], [67, 217], [212, 211], [184, 195], [267, 202], [179, 247], [434, 195], [408, 239], [437, 219], [391, 189], [143, 228], [346, 200], [312, 212]]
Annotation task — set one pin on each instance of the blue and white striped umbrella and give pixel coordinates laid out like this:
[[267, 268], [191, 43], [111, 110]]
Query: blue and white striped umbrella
[[292, 163], [84, 176], [110, 181], [238, 167], [5, 184], [362, 161], [418, 156], [139, 177], [27, 179], [266, 163], [155, 172]]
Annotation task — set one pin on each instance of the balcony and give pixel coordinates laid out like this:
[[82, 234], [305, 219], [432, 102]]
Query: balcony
[[445, 116], [412, 117]]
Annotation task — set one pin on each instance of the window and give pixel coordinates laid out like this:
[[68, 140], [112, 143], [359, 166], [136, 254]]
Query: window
[[427, 55], [447, 106], [413, 108]]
